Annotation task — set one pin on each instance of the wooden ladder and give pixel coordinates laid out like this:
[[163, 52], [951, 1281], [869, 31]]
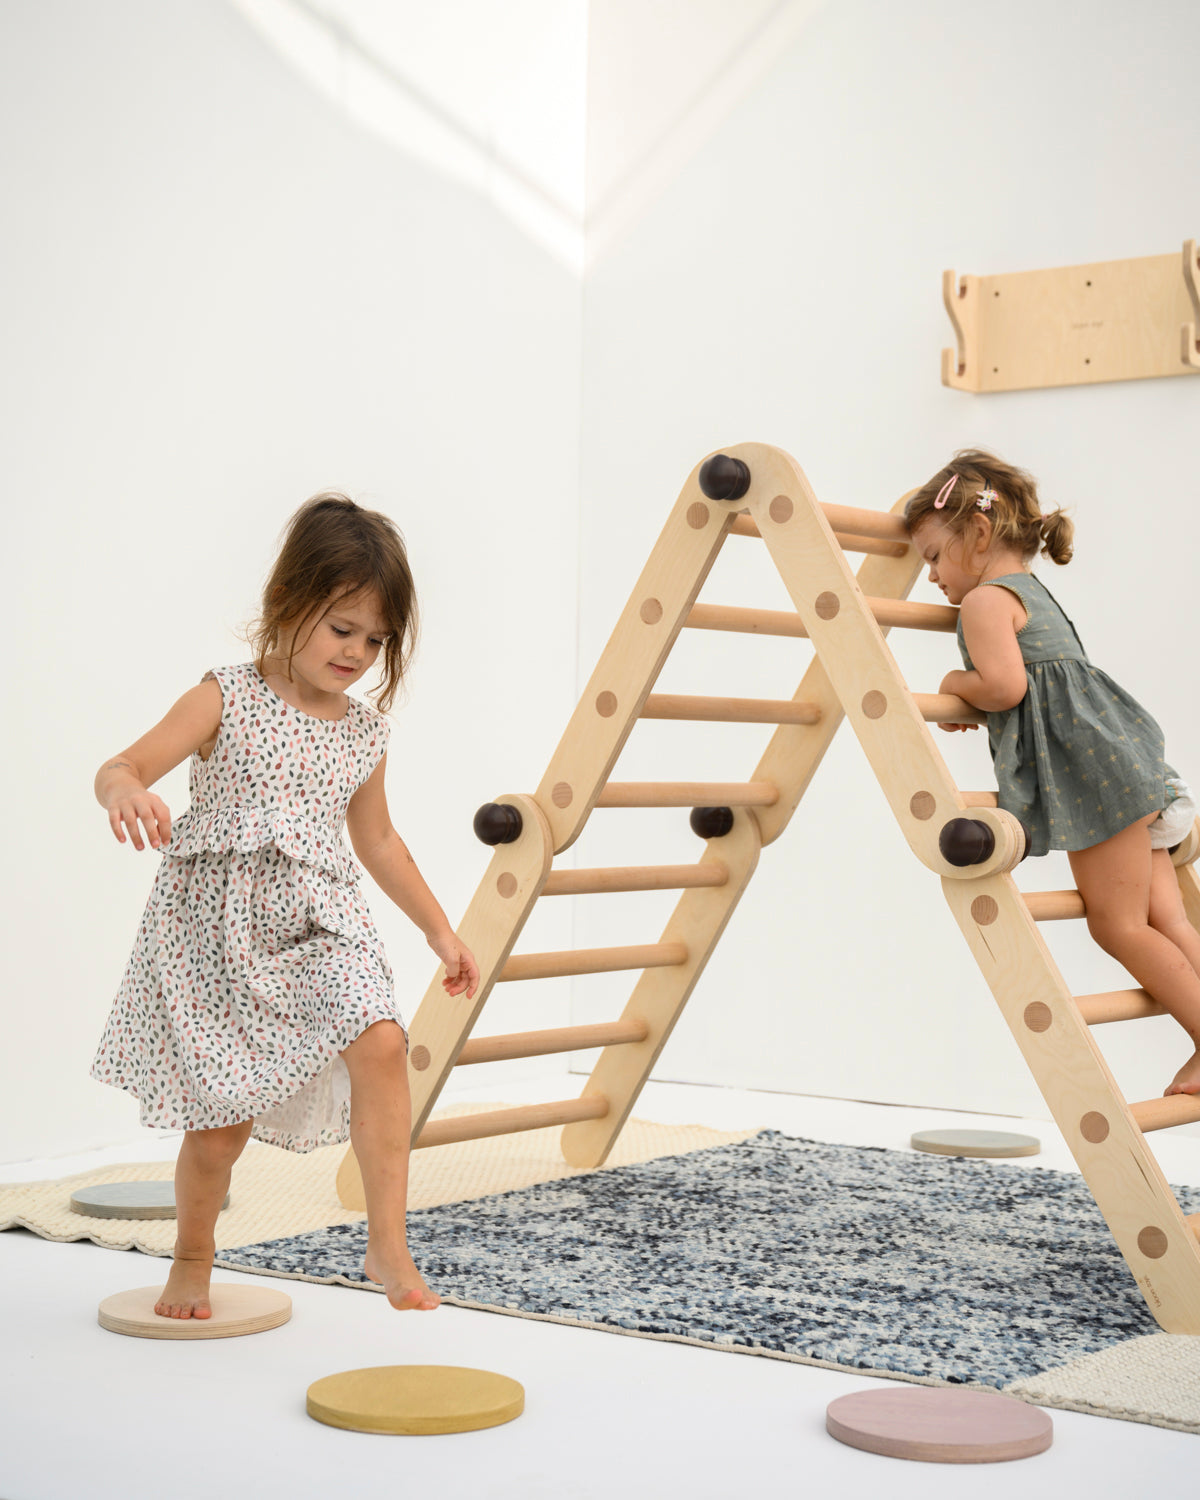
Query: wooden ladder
[[757, 491]]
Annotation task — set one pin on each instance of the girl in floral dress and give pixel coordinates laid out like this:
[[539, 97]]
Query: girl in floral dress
[[258, 999]]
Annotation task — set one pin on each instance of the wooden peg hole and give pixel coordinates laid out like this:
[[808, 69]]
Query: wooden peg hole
[[651, 611], [1038, 1016], [697, 516], [507, 884], [562, 794], [827, 605], [1094, 1127], [985, 910], [781, 509], [606, 705], [420, 1058], [1152, 1242], [874, 705], [922, 805]]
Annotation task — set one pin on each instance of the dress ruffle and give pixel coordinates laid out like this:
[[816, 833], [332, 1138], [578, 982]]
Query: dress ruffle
[[246, 828]]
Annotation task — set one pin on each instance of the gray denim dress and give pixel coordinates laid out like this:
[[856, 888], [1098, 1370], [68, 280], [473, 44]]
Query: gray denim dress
[[1078, 759]]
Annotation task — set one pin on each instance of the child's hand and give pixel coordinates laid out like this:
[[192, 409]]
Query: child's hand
[[462, 972], [951, 728], [152, 812]]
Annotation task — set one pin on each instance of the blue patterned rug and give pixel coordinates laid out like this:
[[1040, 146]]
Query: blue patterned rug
[[917, 1266]]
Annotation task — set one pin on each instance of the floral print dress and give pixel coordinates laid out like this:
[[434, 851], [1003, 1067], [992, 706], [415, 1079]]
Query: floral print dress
[[257, 960]]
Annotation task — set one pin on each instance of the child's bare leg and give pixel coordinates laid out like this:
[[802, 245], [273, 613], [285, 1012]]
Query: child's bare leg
[[380, 1124], [1168, 917], [202, 1172], [1115, 879]]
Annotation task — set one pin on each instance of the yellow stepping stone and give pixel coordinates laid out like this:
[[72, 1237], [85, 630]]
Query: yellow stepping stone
[[415, 1399]]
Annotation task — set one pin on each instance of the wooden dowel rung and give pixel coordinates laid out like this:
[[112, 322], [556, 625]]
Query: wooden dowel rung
[[946, 708], [730, 710], [1054, 906], [510, 1121], [979, 799], [731, 617], [558, 1039], [634, 878], [689, 794], [1115, 1005], [848, 541], [905, 614], [875, 523], [889, 613], [594, 960], [1161, 1114]]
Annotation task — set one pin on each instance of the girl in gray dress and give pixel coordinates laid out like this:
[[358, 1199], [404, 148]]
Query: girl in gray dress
[[1077, 759]]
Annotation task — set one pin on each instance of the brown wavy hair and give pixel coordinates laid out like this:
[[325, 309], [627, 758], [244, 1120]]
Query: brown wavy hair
[[335, 549], [1016, 513]]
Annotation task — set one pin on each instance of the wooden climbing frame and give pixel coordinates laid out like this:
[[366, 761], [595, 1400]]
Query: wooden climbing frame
[[760, 492]]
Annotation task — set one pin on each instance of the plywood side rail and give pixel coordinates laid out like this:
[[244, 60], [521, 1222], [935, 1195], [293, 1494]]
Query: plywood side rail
[[611, 878], [593, 961], [509, 1121], [688, 794], [516, 1044], [1117, 1005], [730, 710]]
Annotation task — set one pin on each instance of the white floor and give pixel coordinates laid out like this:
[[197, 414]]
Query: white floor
[[85, 1412]]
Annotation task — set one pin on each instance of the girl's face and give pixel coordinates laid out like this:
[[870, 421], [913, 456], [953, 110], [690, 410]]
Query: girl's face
[[956, 562], [343, 644]]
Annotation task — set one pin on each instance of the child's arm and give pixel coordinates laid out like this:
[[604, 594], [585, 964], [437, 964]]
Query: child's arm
[[990, 619], [382, 853], [121, 783]]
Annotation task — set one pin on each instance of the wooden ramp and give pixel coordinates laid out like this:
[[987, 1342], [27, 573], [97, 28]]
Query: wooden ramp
[[754, 491]]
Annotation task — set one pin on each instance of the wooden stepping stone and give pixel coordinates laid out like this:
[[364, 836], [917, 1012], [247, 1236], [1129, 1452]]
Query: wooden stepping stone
[[975, 1143], [128, 1200], [939, 1426], [236, 1309], [415, 1399]]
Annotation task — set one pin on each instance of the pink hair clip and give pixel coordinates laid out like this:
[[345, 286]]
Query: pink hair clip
[[984, 499], [944, 493]]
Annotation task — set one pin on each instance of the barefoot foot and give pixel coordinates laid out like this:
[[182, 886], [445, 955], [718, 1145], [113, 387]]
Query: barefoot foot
[[186, 1294], [1187, 1080], [401, 1280]]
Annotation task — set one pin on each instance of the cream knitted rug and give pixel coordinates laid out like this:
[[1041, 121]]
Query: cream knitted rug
[[279, 1193]]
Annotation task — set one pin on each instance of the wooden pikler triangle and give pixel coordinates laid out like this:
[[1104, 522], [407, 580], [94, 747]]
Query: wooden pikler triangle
[[759, 491]]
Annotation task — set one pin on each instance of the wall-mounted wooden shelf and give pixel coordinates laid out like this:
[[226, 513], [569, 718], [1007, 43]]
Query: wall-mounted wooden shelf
[[1074, 325]]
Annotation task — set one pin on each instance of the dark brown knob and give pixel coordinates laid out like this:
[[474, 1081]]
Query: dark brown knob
[[711, 822], [724, 478], [497, 823], [966, 841]]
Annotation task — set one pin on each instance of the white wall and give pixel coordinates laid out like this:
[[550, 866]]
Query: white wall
[[786, 289], [224, 294], [222, 297]]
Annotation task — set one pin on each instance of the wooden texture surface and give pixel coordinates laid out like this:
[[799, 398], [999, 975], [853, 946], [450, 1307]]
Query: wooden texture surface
[[1073, 325], [416, 1400], [939, 1426], [1097, 1124], [237, 1309], [660, 995]]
